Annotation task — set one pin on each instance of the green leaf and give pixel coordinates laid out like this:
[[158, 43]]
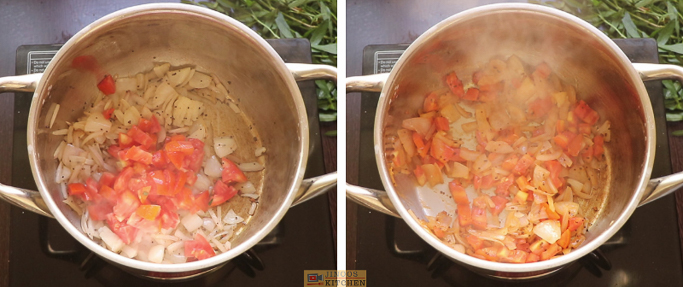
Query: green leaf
[[325, 117], [677, 133], [282, 26], [319, 33], [677, 48], [643, 3], [665, 33], [671, 10], [674, 117], [331, 133], [330, 48], [630, 27]]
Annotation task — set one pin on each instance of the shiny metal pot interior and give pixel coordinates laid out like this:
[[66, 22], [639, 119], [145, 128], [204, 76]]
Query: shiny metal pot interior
[[578, 54], [131, 41]]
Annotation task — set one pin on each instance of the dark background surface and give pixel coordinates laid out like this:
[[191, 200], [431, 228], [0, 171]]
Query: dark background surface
[[402, 21], [53, 22]]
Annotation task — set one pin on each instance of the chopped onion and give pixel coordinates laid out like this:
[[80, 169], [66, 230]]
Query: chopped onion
[[208, 224], [202, 183], [129, 251], [571, 208], [112, 240], [552, 156], [499, 147], [420, 125], [246, 187], [260, 151], [232, 218], [250, 166], [97, 123], [224, 146], [212, 167], [192, 222], [156, 254], [548, 230]]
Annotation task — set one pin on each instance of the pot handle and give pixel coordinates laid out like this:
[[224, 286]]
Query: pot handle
[[371, 198], [303, 72], [369, 83], [659, 187], [312, 187], [24, 198], [24, 83]]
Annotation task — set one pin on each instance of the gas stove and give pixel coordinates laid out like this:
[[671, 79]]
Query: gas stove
[[645, 251], [42, 253]]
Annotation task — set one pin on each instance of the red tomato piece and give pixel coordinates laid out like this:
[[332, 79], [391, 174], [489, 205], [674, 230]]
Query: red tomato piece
[[184, 147], [555, 169], [510, 162], [231, 172], [126, 204], [181, 179], [441, 151], [422, 148], [150, 126], [137, 154], [201, 202], [503, 188], [176, 158], [441, 124], [540, 107], [141, 137], [168, 219], [159, 159], [523, 164], [99, 210], [76, 188], [576, 145], [542, 71], [107, 85], [564, 138], [455, 84], [420, 175], [458, 193], [575, 223], [598, 146], [124, 231], [125, 140], [108, 193], [121, 182], [194, 161], [107, 179], [472, 94], [222, 193], [198, 248], [430, 103], [148, 211], [586, 114], [107, 113], [464, 215], [476, 242]]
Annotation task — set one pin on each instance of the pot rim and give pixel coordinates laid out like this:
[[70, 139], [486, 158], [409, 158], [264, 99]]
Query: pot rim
[[648, 126], [228, 23]]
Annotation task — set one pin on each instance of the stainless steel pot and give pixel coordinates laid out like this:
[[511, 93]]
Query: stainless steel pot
[[131, 40], [579, 54]]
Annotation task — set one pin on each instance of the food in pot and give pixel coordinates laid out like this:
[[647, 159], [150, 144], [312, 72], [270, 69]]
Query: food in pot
[[522, 156], [152, 169]]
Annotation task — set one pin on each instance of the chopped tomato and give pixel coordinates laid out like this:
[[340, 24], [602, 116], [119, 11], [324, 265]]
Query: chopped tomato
[[564, 138], [585, 129], [532, 258], [122, 180], [107, 113], [150, 126], [99, 210], [176, 158], [555, 168], [231, 172], [503, 188], [551, 214], [124, 231], [222, 193], [168, 219], [472, 94], [76, 188], [458, 193], [140, 137], [464, 215], [126, 204], [198, 248], [523, 164], [489, 253], [575, 223], [441, 151], [107, 179], [455, 84], [201, 202], [422, 148], [564, 239], [542, 71], [479, 220], [598, 145], [499, 202], [539, 107], [184, 147], [194, 161], [430, 103], [108, 193], [475, 242], [148, 211], [517, 256], [560, 126], [510, 162], [107, 85], [550, 251], [159, 159], [585, 113], [576, 145], [137, 154], [441, 124]]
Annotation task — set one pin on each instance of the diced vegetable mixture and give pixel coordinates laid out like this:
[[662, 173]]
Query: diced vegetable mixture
[[522, 182], [146, 171]]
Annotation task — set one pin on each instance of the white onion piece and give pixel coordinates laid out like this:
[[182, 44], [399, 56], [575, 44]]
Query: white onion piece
[[156, 254], [252, 209], [181, 235], [246, 187], [212, 167], [199, 81], [499, 147], [224, 146], [250, 166], [571, 208], [419, 124], [547, 157], [260, 151], [203, 183], [129, 251], [548, 230], [459, 247], [114, 243], [208, 224], [232, 218], [192, 222]]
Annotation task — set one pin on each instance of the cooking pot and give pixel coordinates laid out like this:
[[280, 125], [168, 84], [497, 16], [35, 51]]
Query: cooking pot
[[130, 41], [580, 55]]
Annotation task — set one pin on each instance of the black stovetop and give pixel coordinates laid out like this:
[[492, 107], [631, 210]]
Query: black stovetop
[[42, 253], [645, 252]]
